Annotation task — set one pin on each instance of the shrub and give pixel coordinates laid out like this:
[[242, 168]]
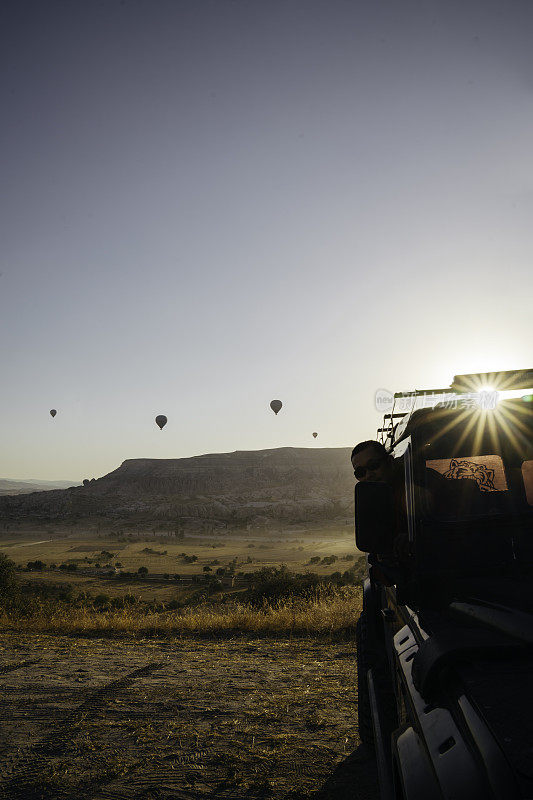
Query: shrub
[[271, 584], [101, 600], [142, 571], [7, 574], [36, 565]]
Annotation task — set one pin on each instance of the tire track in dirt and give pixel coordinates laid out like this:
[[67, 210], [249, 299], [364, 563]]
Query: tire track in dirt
[[227, 720], [12, 667], [24, 766], [154, 785]]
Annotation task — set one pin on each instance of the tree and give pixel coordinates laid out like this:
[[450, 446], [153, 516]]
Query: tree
[[207, 569], [143, 571], [7, 574]]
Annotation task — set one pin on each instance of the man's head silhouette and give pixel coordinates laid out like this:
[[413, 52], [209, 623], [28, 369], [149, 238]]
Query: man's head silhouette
[[371, 462]]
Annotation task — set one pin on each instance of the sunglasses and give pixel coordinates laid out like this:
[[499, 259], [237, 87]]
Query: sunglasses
[[371, 465]]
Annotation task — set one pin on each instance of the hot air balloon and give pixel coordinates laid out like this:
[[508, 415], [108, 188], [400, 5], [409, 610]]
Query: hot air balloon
[[315, 434], [275, 405], [161, 420], [53, 412]]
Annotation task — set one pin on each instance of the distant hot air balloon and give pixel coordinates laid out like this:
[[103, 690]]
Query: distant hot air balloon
[[53, 412], [315, 434], [275, 405], [161, 420]]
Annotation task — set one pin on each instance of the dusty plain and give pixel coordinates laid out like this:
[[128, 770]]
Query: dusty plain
[[237, 716]]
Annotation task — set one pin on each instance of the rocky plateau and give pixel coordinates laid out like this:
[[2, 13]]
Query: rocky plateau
[[244, 488]]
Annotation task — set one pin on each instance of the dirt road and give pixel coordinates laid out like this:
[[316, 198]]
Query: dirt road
[[187, 719]]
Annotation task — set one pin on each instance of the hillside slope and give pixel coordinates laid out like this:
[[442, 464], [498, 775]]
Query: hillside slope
[[242, 488], [10, 486]]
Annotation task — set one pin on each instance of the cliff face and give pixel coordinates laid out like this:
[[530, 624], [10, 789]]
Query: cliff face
[[295, 484]]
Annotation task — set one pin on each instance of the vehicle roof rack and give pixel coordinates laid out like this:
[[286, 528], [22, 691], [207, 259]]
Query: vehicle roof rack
[[420, 392], [500, 381], [508, 380]]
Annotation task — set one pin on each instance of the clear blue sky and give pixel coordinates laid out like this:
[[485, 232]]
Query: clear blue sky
[[208, 205]]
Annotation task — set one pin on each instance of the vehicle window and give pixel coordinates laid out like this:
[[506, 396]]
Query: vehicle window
[[486, 471], [527, 475], [466, 486]]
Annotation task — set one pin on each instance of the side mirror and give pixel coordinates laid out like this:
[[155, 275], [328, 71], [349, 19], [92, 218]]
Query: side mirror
[[374, 517]]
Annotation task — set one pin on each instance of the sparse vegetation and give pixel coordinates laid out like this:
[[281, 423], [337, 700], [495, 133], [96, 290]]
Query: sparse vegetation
[[240, 594], [276, 602]]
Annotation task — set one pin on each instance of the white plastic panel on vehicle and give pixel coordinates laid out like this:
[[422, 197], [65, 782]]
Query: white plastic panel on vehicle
[[527, 475], [404, 639], [487, 471]]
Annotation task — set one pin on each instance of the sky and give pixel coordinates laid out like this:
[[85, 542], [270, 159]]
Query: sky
[[209, 204]]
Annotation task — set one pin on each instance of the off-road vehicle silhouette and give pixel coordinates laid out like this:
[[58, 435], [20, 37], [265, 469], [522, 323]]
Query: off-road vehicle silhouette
[[445, 639]]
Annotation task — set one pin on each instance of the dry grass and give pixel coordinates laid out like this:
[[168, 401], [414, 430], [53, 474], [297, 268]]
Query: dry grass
[[332, 615]]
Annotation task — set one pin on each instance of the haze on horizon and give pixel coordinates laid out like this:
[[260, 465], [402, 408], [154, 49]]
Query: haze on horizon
[[211, 204]]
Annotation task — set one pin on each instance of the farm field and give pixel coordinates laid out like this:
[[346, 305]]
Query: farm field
[[194, 555]]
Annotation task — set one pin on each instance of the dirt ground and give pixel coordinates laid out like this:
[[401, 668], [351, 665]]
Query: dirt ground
[[186, 719]]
